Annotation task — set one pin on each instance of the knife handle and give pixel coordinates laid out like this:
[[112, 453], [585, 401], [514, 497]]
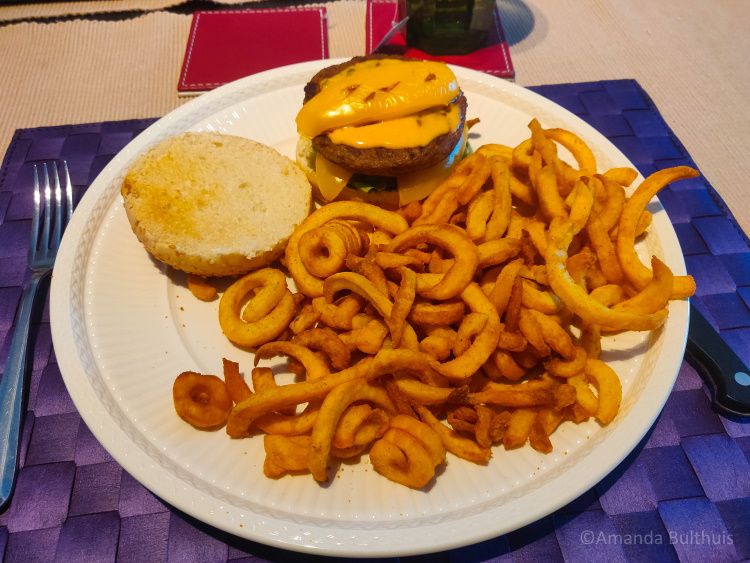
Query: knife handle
[[726, 374]]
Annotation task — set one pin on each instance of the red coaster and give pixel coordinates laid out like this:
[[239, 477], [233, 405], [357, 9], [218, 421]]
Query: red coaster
[[227, 45], [493, 59]]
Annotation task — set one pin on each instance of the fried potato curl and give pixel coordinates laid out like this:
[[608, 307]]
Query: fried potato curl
[[201, 400], [467, 321]]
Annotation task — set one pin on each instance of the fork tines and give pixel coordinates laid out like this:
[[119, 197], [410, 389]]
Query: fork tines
[[57, 199]]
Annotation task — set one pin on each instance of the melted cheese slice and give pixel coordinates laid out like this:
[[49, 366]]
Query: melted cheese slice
[[332, 178], [377, 90], [418, 185], [411, 131]]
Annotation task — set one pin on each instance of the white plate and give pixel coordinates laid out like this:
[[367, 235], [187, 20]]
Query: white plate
[[124, 327]]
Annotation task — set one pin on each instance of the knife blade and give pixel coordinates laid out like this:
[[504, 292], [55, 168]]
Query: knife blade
[[727, 376], [397, 26]]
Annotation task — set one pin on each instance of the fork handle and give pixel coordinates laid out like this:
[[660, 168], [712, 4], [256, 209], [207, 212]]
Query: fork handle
[[12, 390]]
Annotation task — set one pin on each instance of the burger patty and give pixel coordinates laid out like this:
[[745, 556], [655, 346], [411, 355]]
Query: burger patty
[[381, 161]]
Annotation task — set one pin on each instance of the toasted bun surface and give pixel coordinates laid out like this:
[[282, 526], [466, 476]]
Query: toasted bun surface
[[214, 205]]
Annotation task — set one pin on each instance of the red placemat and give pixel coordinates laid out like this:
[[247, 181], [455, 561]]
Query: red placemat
[[227, 45]]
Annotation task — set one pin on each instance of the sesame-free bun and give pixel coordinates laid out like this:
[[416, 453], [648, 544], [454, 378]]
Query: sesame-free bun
[[213, 204]]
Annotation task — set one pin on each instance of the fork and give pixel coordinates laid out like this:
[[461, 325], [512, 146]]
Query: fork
[[53, 207]]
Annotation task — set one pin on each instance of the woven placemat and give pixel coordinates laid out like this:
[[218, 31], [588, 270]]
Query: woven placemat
[[684, 493]]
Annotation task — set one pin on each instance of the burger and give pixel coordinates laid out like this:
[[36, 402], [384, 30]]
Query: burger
[[381, 129]]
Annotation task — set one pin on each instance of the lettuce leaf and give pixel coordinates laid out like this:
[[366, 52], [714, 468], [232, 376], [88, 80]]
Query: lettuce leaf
[[369, 184]]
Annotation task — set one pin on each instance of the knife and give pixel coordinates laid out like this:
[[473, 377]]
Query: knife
[[397, 26], [726, 374]]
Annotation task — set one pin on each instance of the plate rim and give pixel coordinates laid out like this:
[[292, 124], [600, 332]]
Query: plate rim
[[91, 410]]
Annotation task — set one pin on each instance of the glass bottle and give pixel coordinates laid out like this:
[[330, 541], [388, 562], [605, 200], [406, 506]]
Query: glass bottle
[[449, 27]]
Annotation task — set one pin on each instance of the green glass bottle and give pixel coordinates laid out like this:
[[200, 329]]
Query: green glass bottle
[[449, 27]]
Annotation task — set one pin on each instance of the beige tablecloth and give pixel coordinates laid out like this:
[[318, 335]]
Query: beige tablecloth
[[690, 55]]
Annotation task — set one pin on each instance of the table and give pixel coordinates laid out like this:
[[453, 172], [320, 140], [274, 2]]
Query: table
[[83, 70], [79, 70]]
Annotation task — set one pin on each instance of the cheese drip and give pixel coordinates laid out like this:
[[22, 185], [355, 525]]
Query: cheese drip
[[411, 131], [377, 90], [332, 178], [418, 185]]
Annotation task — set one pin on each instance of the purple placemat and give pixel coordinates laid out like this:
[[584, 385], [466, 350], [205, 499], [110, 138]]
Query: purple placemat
[[684, 493]]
